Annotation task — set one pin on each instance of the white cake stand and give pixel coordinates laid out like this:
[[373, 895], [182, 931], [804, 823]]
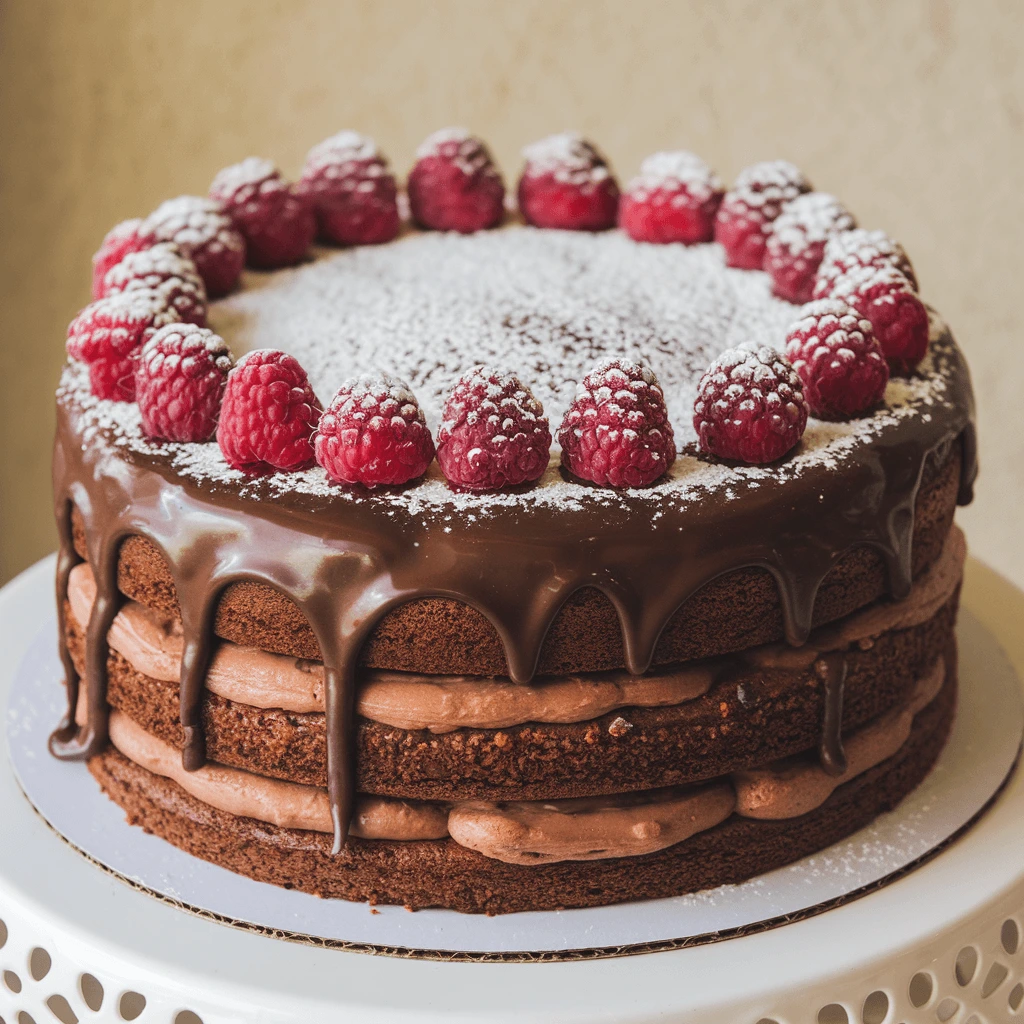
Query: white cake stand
[[943, 943]]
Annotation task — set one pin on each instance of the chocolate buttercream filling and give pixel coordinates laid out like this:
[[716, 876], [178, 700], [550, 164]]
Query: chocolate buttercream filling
[[538, 832]]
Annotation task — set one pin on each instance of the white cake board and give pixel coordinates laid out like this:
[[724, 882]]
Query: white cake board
[[51, 894]]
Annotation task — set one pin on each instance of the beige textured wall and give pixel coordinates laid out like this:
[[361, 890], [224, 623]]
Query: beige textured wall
[[912, 112]]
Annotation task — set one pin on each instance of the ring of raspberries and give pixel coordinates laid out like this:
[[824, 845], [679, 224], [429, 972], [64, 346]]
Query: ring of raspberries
[[144, 337]]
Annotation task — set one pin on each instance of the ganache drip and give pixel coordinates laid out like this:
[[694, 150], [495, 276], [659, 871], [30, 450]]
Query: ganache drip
[[831, 669], [345, 565]]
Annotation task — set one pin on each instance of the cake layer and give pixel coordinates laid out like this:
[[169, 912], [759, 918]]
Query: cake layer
[[739, 609], [768, 705], [429, 873], [152, 644]]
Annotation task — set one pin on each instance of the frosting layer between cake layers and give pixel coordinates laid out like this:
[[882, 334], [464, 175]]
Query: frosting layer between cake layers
[[531, 832]]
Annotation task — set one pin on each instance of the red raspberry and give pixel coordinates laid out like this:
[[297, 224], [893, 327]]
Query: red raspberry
[[616, 432], [899, 318], [278, 224], [108, 335], [566, 183], [840, 363], [179, 381], [749, 209], [374, 433], [455, 185], [797, 242], [119, 241], [205, 234], [269, 414], [860, 248], [352, 191], [673, 199], [163, 269], [750, 406], [494, 433]]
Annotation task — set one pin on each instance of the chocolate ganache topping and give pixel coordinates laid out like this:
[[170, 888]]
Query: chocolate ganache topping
[[427, 308]]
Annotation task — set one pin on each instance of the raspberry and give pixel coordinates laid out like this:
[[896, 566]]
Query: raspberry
[[750, 406], [455, 185], [566, 183], [797, 242], [616, 432], [860, 248], [163, 269], [750, 207], [179, 380], [352, 191], [839, 361], [108, 335], [119, 241], [494, 433], [899, 318], [278, 224], [205, 234], [374, 433], [269, 414], [673, 199]]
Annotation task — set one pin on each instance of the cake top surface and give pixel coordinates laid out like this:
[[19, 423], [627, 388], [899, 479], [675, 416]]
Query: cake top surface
[[546, 305]]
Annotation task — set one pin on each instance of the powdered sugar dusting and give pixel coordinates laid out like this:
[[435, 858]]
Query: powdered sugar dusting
[[549, 304], [807, 219], [252, 171], [342, 148], [154, 267], [568, 157], [193, 222], [674, 170], [780, 177], [461, 148]]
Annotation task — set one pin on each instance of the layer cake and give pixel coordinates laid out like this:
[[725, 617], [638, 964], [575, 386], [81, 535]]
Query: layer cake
[[550, 694]]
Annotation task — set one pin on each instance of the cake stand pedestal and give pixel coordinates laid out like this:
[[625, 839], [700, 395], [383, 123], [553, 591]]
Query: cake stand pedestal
[[943, 943]]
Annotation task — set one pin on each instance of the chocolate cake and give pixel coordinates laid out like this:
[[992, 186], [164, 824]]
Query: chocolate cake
[[664, 658]]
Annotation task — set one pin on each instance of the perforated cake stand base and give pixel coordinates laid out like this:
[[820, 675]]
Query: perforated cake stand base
[[941, 943]]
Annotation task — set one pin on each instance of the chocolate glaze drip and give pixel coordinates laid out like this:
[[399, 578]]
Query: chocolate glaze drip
[[831, 669], [345, 564]]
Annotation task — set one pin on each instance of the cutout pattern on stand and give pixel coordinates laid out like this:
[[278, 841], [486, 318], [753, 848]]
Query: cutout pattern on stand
[[979, 982], [40, 986]]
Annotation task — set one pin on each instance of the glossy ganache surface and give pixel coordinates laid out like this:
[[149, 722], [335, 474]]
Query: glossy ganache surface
[[550, 304]]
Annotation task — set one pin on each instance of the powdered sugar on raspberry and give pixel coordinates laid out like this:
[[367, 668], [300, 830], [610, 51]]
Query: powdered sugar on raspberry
[[547, 303], [770, 183], [811, 217], [460, 147], [252, 171], [672, 170], [342, 148], [568, 157], [191, 222]]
